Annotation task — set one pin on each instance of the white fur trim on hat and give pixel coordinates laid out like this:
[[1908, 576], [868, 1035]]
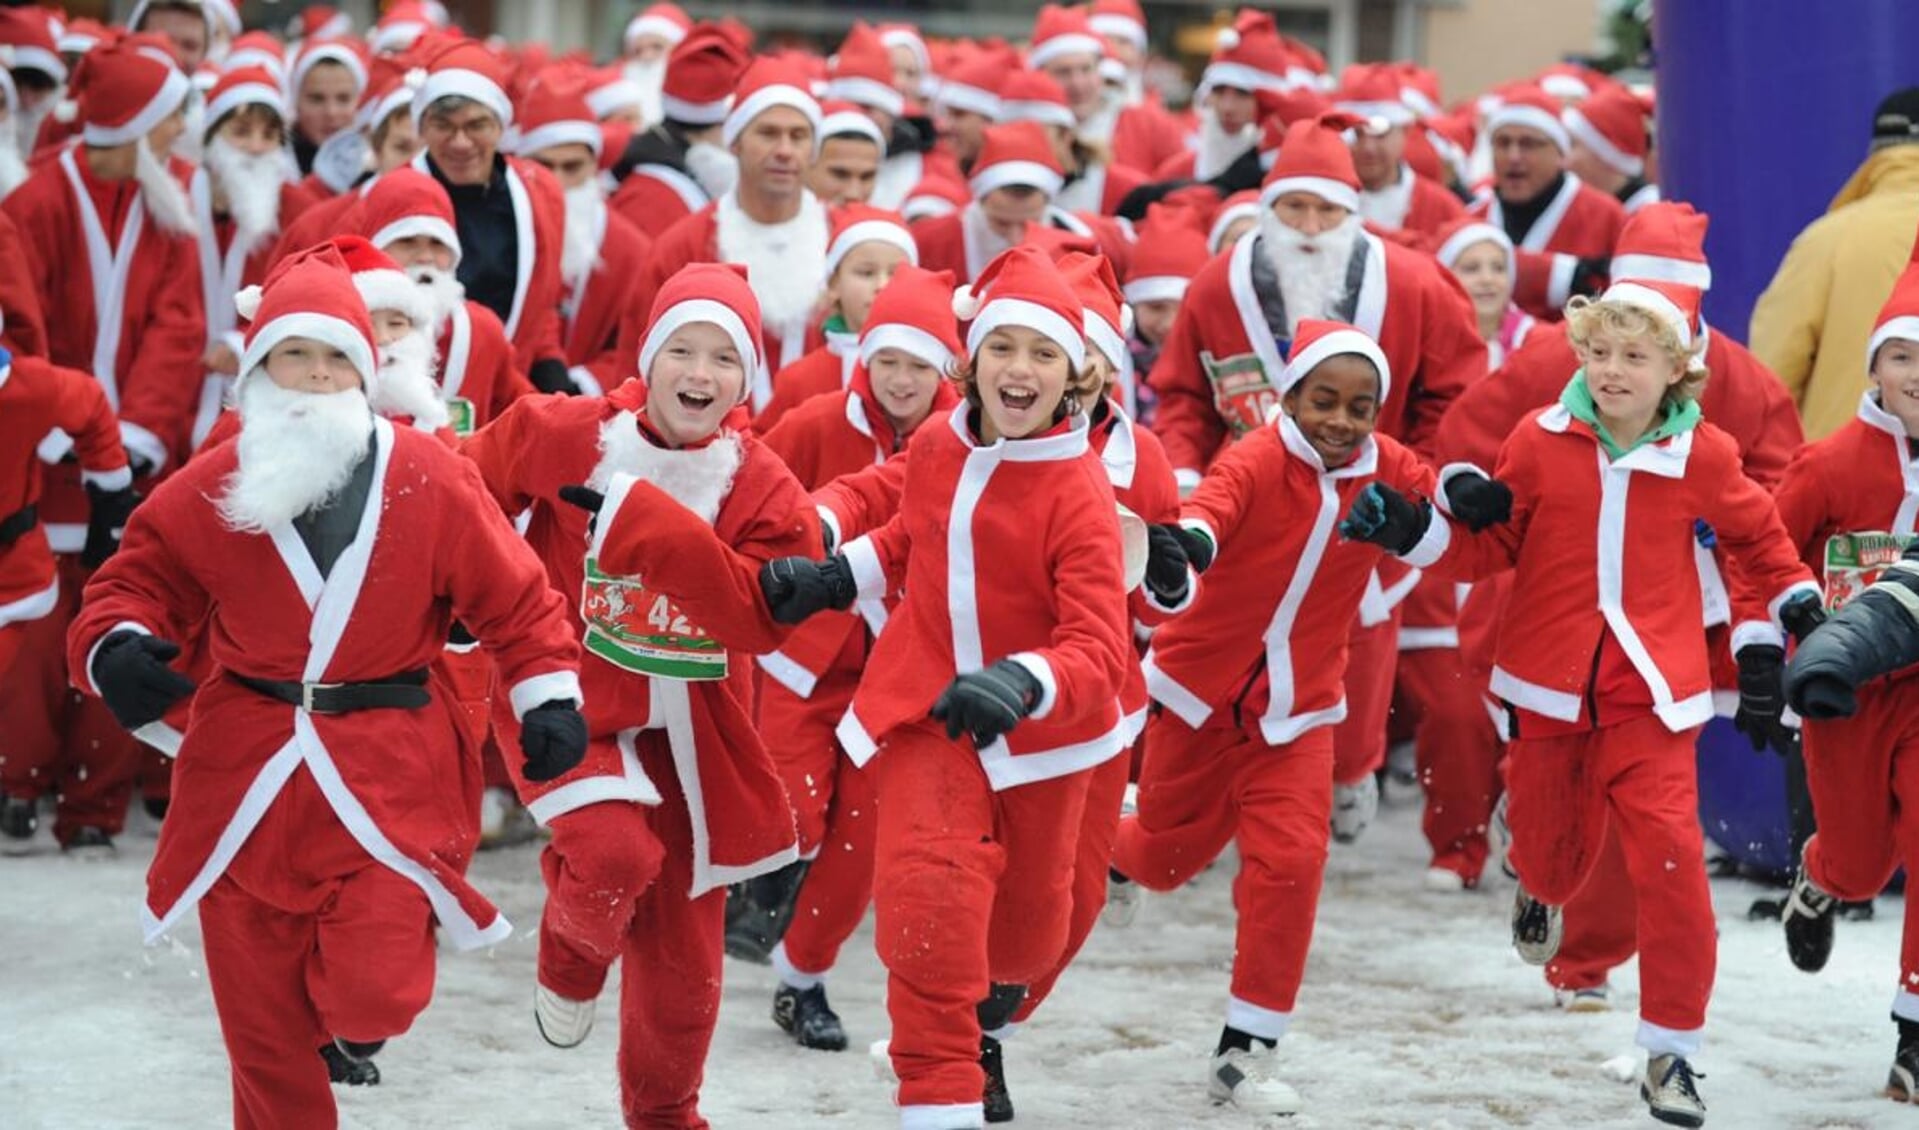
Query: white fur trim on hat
[[1226, 219], [848, 123], [1071, 44], [1031, 174], [246, 94], [603, 100], [908, 38], [172, 93], [1156, 288], [458, 82], [1326, 188], [1332, 345], [1239, 76], [866, 92], [764, 99], [396, 36], [718, 313], [1395, 113], [1661, 268], [1106, 337], [644, 24], [337, 332], [561, 133], [972, 99], [907, 339], [329, 53], [925, 206], [1903, 327], [28, 57], [391, 290], [1654, 303], [1457, 243], [371, 114], [407, 226], [1123, 28], [1529, 117], [1577, 125], [1034, 110], [999, 312], [871, 231], [696, 113]]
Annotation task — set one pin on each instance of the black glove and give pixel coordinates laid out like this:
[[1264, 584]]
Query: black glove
[[1590, 276], [130, 670], [1876, 634], [796, 588], [1479, 501], [549, 374], [1802, 615], [108, 511], [1762, 699], [1199, 548], [987, 703], [553, 738], [1166, 563], [1387, 518]]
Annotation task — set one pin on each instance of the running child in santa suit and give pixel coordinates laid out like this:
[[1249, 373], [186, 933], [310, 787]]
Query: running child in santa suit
[[321, 811], [677, 796], [867, 246], [1863, 768], [993, 691], [1250, 679], [909, 348], [1601, 665]]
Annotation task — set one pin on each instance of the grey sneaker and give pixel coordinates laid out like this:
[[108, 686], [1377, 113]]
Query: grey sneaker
[[1250, 1081], [1537, 928], [1671, 1091], [1354, 807], [1596, 998]]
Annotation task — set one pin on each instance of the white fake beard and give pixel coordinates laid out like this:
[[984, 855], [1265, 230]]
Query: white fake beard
[[650, 77], [165, 200], [443, 289], [296, 450], [28, 121], [1311, 269], [187, 146], [251, 183], [407, 386], [13, 169], [1219, 149], [981, 234], [784, 263], [715, 169], [585, 223], [697, 478]]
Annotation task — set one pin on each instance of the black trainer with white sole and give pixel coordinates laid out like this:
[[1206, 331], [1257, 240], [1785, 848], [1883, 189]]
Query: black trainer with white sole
[[804, 1015], [349, 1072], [1537, 929], [1808, 916], [1902, 1082]]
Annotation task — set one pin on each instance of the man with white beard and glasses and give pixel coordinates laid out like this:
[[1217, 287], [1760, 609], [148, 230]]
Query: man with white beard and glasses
[[320, 804], [680, 164], [108, 236]]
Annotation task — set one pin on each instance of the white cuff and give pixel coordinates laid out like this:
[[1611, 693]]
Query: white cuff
[[1048, 686], [589, 385], [120, 478], [124, 625], [1751, 632], [1186, 479], [1185, 602], [1200, 526], [139, 441], [868, 578], [1559, 281], [1450, 472], [1432, 544], [538, 689], [830, 522]]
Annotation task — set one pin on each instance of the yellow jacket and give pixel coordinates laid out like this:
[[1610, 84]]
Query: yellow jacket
[[1812, 323]]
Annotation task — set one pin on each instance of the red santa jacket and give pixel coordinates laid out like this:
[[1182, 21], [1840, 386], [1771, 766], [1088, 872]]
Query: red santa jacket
[[24, 332], [35, 398], [655, 197], [952, 242], [590, 313], [1429, 206], [694, 537], [1006, 551], [824, 370], [1581, 222], [1145, 135], [130, 308], [432, 547], [1637, 581], [1099, 188], [1142, 480], [1266, 633], [1216, 369], [477, 363], [319, 221], [1863, 477]]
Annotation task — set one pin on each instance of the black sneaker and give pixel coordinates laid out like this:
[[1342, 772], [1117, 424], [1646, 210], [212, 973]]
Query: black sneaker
[[758, 910], [156, 807], [1902, 1082], [1808, 915], [88, 842], [996, 1099], [1537, 928], [19, 818], [805, 1015], [343, 1069]]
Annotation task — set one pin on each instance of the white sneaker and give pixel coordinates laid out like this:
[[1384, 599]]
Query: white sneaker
[[1444, 880], [563, 1023], [1249, 1080], [1354, 807], [1598, 998], [1122, 903]]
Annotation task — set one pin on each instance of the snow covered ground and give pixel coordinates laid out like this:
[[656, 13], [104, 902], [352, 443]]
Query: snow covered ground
[[1415, 1014]]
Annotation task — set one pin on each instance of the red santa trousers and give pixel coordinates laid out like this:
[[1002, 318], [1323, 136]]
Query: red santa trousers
[[1199, 790], [1863, 773], [56, 739], [307, 938], [1457, 751], [1098, 829], [617, 877], [1563, 793], [971, 887], [1359, 742], [1601, 922]]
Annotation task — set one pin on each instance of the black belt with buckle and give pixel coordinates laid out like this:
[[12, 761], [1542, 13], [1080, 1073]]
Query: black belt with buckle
[[15, 525], [404, 691]]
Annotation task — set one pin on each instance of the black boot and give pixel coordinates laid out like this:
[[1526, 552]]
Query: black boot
[[90, 842], [996, 1100], [805, 1015], [1808, 916], [341, 1068], [19, 818], [765, 905], [1902, 1082]]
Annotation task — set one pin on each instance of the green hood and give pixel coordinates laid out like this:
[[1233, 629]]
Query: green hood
[[1674, 419]]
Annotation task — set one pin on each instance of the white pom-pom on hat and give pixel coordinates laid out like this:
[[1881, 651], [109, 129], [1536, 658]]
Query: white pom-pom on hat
[[1126, 318], [415, 79], [66, 110], [1227, 40], [246, 302], [966, 304]]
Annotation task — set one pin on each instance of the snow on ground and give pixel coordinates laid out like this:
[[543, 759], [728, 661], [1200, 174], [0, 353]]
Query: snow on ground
[[1415, 1014]]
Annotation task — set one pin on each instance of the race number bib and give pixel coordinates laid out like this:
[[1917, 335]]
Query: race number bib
[[644, 632], [1242, 390], [459, 415], [1855, 561]]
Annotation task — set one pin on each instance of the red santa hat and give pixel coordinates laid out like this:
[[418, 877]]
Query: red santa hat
[[1248, 56], [974, 85], [388, 90], [1314, 158], [1372, 90], [1664, 241], [257, 49], [1568, 82], [770, 83], [662, 21], [381, 283], [1466, 232], [402, 26], [140, 8], [1241, 205], [555, 112], [407, 202], [861, 72], [1023, 287], [1105, 318], [1316, 341], [609, 91], [914, 314], [1531, 108], [843, 119], [1017, 153], [1123, 20], [1171, 249], [319, 21], [908, 37], [464, 69], [1419, 89], [1612, 123], [1061, 31], [77, 37], [700, 76], [715, 293], [934, 195], [124, 92], [854, 224], [245, 86], [310, 294], [1034, 96], [29, 38], [1899, 317], [313, 52], [1673, 305]]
